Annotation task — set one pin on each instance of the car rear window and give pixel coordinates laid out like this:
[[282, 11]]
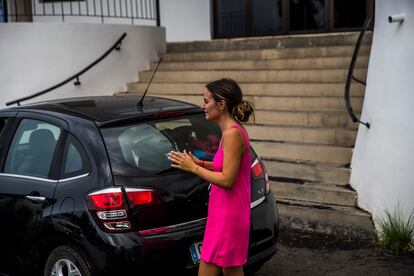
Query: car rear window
[[140, 149]]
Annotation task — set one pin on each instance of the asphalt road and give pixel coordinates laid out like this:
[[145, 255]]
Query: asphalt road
[[307, 254]]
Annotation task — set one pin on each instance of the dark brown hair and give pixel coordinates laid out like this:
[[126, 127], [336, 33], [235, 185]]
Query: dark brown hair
[[229, 91]]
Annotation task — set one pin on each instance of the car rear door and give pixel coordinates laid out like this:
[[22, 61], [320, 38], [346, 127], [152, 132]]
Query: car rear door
[[29, 165], [6, 120]]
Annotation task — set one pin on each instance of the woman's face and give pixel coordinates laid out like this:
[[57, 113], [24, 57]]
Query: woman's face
[[212, 109]]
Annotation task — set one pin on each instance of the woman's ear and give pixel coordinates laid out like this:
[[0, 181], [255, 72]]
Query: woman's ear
[[222, 105]]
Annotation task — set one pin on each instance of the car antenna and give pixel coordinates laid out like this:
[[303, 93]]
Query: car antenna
[[140, 103]]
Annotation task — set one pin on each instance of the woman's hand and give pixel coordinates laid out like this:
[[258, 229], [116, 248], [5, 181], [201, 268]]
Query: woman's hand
[[195, 159], [183, 161]]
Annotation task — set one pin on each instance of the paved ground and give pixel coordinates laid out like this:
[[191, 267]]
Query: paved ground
[[305, 254]]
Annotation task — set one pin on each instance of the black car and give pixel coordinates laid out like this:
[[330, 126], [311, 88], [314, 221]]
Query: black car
[[86, 189]]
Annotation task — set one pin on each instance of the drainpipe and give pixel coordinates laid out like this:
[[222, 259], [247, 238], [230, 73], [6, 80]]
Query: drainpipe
[[396, 18]]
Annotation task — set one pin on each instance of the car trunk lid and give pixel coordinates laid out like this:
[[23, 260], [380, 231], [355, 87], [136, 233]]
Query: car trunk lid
[[183, 199]]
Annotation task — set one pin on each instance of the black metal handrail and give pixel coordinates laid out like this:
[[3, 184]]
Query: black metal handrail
[[116, 46], [134, 11], [351, 77]]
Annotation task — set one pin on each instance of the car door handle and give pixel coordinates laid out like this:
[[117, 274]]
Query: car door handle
[[40, 199]]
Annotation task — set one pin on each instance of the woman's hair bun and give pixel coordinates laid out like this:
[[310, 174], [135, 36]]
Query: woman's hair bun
[[229, 91], [242, 111]]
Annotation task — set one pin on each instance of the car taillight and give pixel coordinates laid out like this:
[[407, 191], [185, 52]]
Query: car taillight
[[259, 170], [142, 197], [109, 206], [107, 199]]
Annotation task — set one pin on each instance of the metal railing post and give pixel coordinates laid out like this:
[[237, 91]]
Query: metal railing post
[[62, 11], [157, 7], [34, 7], [16, 10], [102, 16]]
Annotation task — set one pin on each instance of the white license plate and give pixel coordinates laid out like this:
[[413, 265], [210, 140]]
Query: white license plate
[[195, 251]]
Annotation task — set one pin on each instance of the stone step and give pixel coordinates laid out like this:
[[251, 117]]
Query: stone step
[[285, 41], [341, 221], [307, 173], [305, 118], [303, 153], [311, 135], [274, 53], [298, 76], [269, 64], [286, 103], [253, 89], [315, 193], [335, 119]]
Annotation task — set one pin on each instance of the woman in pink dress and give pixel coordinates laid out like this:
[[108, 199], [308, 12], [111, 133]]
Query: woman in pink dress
[[226, 238]]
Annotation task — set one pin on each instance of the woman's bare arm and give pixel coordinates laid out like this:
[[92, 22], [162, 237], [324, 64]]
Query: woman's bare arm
[[205, 164], [208, 165]]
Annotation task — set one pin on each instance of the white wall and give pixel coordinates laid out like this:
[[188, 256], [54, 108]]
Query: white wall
[[35, 56], [383, 159], [186, 20]]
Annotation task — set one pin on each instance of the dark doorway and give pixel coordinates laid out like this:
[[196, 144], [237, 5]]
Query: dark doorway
[[307, 15], [266, 17], [231, 17], [241, 18], [343, 8]]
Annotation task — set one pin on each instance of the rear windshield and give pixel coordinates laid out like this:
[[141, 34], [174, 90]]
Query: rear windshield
[[140, 149]]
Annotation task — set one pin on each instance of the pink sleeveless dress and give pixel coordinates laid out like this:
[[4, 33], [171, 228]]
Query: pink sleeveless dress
[[226, 238]]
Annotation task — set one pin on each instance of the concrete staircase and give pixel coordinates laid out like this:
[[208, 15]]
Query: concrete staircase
[[302, 130]]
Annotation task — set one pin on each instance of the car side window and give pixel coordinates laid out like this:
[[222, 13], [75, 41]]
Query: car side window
[[75, 161], [3, 122], [32, 148]]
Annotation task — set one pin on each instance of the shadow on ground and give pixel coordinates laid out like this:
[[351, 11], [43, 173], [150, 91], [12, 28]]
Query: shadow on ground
[[301, 253]]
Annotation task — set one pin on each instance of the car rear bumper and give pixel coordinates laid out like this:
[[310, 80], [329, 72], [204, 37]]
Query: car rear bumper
[[264, 231], [131, 253]]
